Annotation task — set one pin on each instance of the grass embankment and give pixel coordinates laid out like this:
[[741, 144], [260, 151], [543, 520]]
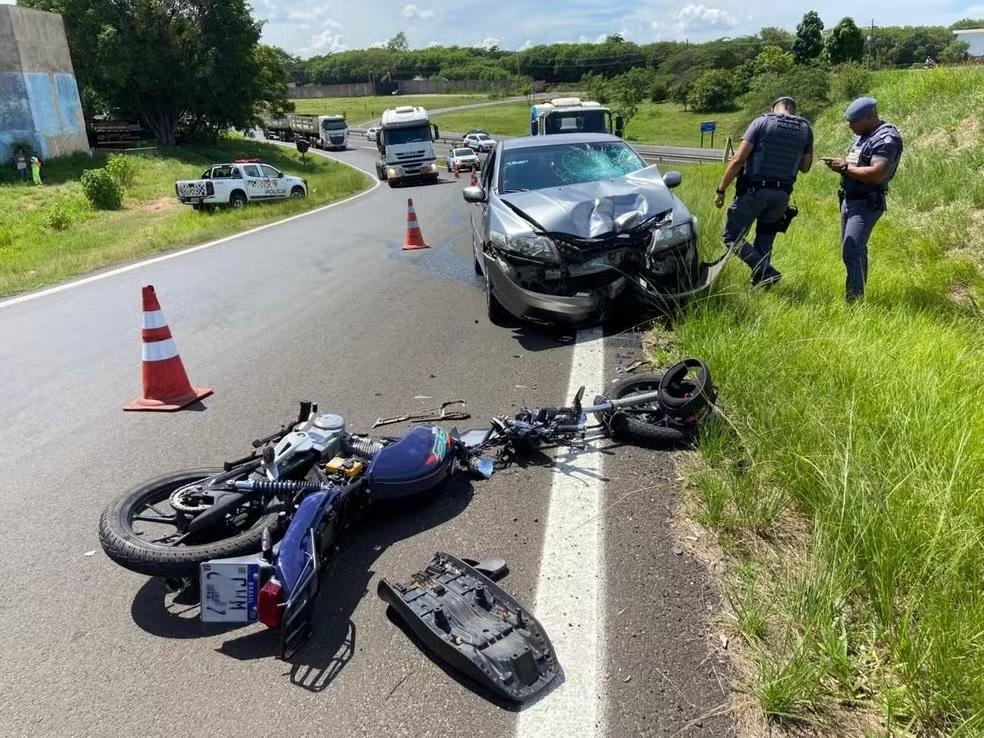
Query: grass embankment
[[850, 488], [361, 109], [665, 124], [50, 233]]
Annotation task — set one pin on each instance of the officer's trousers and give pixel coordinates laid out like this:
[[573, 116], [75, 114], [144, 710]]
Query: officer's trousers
[[857, 222], [768, 208]]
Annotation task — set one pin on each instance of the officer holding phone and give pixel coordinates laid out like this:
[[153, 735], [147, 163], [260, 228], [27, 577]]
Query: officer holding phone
[[865, 173]]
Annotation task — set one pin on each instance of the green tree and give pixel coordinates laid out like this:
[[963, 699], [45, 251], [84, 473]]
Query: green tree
[[630, 89], [810, 85], [615, 38], [398, 43], [772, 36], [680, 93], [955, 52], [964, 23], [713, 91], [851, 81], [845, 43], [809, 38], [773, 59], [187, 68]]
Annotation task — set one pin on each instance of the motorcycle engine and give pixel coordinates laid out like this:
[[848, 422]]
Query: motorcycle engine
[[323, 433]]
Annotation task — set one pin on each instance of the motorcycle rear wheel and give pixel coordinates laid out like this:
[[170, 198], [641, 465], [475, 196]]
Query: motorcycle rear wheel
[[124, 545]]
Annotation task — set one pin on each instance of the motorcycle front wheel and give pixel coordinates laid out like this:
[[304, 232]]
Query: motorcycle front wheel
[[140, 530], [644, 424]]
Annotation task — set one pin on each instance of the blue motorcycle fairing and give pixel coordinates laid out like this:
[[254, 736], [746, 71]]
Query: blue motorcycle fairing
[[296, 548], [418, 462]]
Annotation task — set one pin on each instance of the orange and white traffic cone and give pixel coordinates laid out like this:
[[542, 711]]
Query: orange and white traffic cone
[[473, 181], [457, 175], [415, 239], [165, 383]]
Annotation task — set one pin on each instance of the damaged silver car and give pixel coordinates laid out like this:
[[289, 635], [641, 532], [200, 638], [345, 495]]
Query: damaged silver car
[[564, 225]]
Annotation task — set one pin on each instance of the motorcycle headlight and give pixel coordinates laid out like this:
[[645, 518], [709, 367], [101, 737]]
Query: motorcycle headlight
[[672, 235], [527, 244]]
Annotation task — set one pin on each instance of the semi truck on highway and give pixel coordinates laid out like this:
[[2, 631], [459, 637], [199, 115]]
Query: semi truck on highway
[[573, 115], [406, 146], [320, 131]]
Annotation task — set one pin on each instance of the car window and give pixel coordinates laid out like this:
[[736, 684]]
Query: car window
[[224, 171], [464, 152], [251, 170], [537, 168], [269, 171]]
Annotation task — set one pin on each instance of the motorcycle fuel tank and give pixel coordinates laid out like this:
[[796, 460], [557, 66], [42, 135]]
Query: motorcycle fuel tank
[[415, 464]]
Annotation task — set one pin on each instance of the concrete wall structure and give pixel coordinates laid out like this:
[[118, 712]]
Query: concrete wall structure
[[975, 40], [39, 98]]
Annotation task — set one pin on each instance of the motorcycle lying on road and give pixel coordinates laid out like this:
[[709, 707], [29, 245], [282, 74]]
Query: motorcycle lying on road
[[254, 534]]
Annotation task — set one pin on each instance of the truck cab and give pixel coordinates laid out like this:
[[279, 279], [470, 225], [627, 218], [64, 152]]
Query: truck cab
[[573, 115], [406, 146], [334, 132]]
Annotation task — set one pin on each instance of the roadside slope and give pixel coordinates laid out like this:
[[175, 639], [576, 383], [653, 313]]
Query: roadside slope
[[846, 481]]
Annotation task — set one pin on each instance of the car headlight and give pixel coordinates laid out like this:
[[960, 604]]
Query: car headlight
[[432, 166], [527, 244], [391, 172], [672, 235]]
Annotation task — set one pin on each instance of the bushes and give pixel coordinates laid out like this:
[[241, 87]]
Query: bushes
[[850, 81], [122, 168], [102, 190], [713, 91], [809, 85]]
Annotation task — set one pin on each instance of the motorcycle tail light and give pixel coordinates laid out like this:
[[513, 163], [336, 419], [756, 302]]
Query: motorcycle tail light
[[270, 609]]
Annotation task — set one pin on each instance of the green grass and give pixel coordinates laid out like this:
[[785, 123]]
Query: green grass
[[850, 471], [50, 233], [361, 109], [666, 124]]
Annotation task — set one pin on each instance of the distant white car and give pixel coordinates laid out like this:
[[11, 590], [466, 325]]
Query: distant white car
[[239, 182], [372, 133], [463, 159], [481, 142]]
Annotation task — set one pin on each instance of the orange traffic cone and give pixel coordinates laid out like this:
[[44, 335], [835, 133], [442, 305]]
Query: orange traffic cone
[[165, 383], [473, 181], [456, 174], [415, 239]]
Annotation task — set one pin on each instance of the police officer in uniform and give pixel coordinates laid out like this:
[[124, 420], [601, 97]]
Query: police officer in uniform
[[775, 147], [865, 173]]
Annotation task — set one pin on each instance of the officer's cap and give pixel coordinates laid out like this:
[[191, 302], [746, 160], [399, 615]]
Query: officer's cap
[[786, 99], [860, 108]]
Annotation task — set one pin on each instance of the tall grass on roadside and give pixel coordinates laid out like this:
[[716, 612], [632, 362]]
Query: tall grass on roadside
[[857, 448]]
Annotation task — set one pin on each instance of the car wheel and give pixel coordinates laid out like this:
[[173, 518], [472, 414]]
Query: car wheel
[[297, 193], [237, 200]]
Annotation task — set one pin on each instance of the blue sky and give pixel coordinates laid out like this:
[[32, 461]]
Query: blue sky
[[308, 27]]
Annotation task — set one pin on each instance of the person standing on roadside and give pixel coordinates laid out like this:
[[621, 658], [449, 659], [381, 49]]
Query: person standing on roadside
[[20, 161], [870, 165], [36, 169], [774, 149]]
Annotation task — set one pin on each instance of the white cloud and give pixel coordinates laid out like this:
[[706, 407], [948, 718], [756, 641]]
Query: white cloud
[[415, 12], [489, 42], [701, 16]]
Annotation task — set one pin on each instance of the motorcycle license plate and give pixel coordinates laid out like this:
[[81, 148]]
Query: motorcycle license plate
[[229, 592]]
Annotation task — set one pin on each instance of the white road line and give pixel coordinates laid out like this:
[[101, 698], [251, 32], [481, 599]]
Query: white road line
[[174, 254], [570, 592]]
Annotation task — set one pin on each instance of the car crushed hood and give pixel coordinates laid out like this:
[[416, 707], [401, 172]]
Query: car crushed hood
[[589, 209]]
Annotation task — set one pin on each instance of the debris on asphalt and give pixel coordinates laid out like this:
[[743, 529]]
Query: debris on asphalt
[[678, 551], [89, 553], [628, 678], [481, 613], [441, 413], [423, 397]]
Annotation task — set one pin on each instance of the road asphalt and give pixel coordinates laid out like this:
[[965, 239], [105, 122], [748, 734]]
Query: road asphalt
[[324, 307]]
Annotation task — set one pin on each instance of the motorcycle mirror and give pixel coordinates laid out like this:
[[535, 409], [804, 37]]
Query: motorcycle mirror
[[483, 466]]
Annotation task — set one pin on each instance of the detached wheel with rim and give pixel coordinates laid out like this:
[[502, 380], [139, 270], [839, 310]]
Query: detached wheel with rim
[[645, 424]]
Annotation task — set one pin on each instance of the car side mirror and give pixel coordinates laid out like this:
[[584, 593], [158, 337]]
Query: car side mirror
[[280, 175], [474, 194], [672, 179], [533, 128], [619, 125]]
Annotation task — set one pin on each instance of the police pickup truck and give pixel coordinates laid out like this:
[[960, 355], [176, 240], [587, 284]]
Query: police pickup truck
[[235, 184]]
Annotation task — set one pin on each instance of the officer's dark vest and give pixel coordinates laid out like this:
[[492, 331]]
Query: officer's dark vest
[[863, 146], [780, 148]]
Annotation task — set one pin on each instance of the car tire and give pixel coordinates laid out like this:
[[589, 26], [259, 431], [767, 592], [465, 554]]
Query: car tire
[[237, 200], [498, 315], [297, 193]]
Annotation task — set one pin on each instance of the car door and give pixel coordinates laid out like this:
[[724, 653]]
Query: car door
[[278, 182], [480, 211], [253, 181]]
